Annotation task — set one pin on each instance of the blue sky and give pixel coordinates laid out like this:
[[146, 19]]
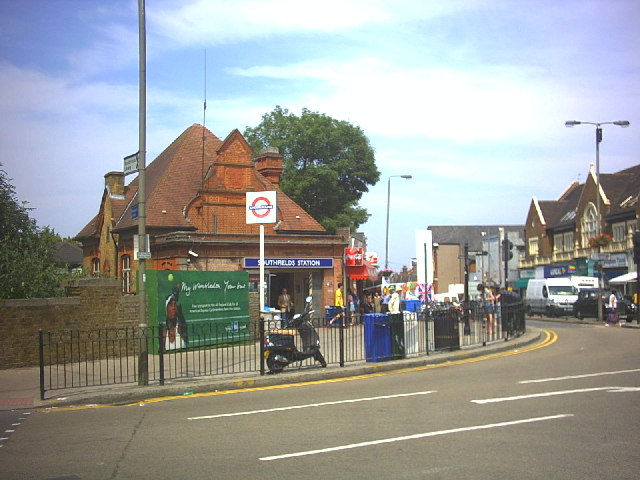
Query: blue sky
[[469, 97]]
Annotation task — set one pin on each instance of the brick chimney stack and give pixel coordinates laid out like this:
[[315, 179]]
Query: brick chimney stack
[[269, 164], [114, 183]]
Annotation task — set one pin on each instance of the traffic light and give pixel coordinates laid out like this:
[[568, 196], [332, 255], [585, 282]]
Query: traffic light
[[507, 247], [636, 247]]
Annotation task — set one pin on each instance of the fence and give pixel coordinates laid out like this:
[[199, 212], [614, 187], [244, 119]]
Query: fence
[[86, 358]]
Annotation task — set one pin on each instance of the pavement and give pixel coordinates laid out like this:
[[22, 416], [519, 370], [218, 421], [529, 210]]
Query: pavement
[[19, 387]]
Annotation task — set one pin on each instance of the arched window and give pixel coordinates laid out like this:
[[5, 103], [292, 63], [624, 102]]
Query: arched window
[[589, 222], [95, 266], [126, 273]]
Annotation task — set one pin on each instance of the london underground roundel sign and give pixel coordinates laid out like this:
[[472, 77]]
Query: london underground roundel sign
[[261, 207]]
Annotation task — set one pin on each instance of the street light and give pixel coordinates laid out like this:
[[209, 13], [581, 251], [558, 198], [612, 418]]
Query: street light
[[598, 125], [386, 248]]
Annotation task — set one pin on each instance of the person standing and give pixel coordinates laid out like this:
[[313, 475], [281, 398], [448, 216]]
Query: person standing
[[377, 302], [386, 297], [612, 316], [394, 302], [338, 302], [285, 302]]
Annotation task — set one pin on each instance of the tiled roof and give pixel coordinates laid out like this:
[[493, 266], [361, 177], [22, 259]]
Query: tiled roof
[[174, 179]]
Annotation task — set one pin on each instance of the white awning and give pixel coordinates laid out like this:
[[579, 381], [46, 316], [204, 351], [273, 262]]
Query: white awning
[[626, 278]]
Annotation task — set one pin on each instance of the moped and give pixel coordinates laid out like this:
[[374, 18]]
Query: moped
[[280, 348]]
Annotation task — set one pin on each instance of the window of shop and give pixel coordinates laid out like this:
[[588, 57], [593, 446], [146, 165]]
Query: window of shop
[[568, 241], [619, 232]]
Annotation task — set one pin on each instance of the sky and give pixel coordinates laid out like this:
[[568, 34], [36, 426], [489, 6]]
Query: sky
[[469, 97]]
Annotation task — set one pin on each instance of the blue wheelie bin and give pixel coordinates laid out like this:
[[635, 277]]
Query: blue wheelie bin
[[377, 337]]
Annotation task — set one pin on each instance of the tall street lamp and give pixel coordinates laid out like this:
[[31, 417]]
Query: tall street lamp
[[386, 248], [598, 125]]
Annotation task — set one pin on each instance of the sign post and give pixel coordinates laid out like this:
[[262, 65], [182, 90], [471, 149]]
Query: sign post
[[261, 209]]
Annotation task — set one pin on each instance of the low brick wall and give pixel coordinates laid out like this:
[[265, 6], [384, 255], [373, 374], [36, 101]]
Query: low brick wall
[[100, 304]]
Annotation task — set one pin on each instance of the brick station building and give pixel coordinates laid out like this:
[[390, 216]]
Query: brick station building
[[196, 220]]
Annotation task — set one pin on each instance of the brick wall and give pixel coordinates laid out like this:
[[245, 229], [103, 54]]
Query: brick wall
[[99, 305]]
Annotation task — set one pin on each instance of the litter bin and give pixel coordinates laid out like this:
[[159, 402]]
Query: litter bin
[[410, 305], [396, 322], [377, 337]]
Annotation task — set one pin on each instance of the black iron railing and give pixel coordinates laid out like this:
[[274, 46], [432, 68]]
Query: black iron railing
[[87, 358]]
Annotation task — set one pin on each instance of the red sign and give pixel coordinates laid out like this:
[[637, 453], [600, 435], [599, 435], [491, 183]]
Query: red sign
[[353, 256]]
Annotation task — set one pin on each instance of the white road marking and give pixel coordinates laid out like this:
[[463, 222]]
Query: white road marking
[[587, 375], [552, 394], [415, 437], [311, 405]]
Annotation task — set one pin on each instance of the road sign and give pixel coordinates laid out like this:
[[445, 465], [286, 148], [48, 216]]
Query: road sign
[[131, 163], [144, 255]]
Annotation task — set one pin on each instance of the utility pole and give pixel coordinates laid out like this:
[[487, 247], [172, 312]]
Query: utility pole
[[143, 363]]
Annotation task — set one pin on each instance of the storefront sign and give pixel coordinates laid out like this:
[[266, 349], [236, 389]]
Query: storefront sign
[[290, 262]]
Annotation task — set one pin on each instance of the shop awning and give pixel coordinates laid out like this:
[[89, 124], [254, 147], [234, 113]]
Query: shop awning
[[626, 278], [522, 283], [366, 271]]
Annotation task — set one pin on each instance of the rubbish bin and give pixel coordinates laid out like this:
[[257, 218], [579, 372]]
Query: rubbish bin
[[446, 328], [411, 305], [377, 337], [396, 322]]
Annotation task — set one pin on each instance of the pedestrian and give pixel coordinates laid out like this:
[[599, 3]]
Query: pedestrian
[[285, 302], [377, 302], [486, 297], [394, 302], [386, 297], [613, 316], [339, 304]]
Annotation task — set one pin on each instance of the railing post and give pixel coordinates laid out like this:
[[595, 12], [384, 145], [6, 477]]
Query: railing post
[[161, 353], [341, 327], [41, 355], [261, 329]]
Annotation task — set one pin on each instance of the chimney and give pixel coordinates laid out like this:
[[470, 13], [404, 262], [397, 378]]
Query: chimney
[[114, 183], [269, 164]]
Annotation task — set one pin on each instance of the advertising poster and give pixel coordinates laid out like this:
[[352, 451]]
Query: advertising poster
[[199, 308]]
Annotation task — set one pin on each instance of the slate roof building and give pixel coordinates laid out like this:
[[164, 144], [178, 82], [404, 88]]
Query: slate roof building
[[196, 202], [560, 235]]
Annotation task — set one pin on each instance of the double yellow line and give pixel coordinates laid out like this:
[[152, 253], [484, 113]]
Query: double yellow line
[[244, 386]]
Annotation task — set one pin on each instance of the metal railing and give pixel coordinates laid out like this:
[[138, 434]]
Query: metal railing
[[87, 358]]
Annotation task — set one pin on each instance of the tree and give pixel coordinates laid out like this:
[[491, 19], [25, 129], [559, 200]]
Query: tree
[[27, 268], [328, 164]]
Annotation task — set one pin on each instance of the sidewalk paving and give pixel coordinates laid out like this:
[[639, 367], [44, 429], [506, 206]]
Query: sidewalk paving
[[19, 387]]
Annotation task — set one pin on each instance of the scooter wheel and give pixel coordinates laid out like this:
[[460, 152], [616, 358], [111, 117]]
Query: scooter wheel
[[275, 366]]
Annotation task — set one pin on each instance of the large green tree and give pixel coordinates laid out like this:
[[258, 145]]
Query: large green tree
[[328, 163], [27, 269]]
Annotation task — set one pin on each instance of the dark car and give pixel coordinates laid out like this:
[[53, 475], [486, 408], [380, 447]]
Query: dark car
[[587, 304]]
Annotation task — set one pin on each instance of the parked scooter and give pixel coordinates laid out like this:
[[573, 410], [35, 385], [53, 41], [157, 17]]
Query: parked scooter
[[280, 348]]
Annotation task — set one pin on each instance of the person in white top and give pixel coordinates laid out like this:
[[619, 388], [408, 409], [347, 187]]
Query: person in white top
[[612, 317], [394, 303]]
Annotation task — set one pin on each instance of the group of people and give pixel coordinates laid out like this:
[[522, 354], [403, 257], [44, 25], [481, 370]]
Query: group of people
[[349, 308]]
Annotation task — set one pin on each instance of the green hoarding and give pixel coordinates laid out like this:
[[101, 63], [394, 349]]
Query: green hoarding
[[199, 308]]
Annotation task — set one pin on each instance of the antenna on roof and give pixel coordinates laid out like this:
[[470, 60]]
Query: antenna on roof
[[204, 118]]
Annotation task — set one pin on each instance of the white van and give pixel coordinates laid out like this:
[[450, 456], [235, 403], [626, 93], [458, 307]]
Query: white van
[[551, 296]]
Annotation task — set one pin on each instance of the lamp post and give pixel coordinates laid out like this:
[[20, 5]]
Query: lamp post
[[598, 125], [386, 248]]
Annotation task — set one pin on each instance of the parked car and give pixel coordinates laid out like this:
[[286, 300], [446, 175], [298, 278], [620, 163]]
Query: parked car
[[587, 304]]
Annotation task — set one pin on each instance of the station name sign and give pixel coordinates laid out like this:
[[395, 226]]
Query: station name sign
[[289, 262]]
